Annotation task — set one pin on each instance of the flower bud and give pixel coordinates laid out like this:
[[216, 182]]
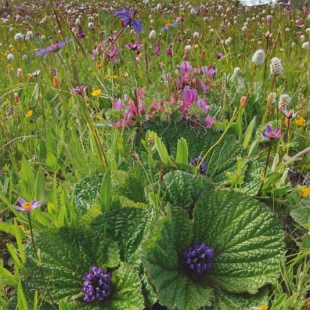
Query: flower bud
[[55, 81], [19, 73], [16, 98]]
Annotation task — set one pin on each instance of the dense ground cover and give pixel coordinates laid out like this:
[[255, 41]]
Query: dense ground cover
[[154, 156]]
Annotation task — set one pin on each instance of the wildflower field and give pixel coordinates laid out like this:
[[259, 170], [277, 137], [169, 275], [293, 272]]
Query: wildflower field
[[154, 155]]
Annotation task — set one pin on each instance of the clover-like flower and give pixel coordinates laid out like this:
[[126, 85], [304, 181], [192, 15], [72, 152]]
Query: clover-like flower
[[27, 206], [202, 168], [96, 285], [199, 257], [271, 134]]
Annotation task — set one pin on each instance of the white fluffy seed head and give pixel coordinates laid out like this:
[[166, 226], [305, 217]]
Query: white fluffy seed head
[[19, 37], [259, 58], [284, 101], [305, 46], [196, 35], [276, 66]]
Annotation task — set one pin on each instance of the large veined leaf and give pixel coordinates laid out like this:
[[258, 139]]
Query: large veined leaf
[[67, 254], [302, 216], [182, 189], [125, 292], [221, 159], [87, 192], [161, 256], [246, 236], [128, 227], [245, 301]]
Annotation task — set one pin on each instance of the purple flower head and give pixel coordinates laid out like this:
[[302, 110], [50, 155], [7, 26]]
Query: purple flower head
[[118, 105], [186, 67], [27, 206], [271, 134], [79, 90], [167, 26], [202, 168], [134, 47], [128, 18], [34, 74], [96, 285], [111, 54], [289, 114], [157, 49], [219, 55], [169, 52], [198, 257], [80, 33], [190, 95], [210, 71], [53, 48]]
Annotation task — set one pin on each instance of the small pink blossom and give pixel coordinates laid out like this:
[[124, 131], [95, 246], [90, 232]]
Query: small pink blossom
[[210, 121]]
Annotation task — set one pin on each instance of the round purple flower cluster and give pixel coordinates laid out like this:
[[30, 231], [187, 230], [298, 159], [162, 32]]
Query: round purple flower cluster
[[96, 285], [203, 167], [199, 257]]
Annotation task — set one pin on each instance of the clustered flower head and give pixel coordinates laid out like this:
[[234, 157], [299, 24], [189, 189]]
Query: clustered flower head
[[276, 66], [202, 168], [259, 58], [27, 206], [284, 101], [199, 257], [96, 285]]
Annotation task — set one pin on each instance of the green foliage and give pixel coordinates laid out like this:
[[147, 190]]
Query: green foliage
[[227, 301], [128, 227], [181, 188], [220, 160], [248, 245], [161, 257], [125, 292], [66, 254], [247, 238]]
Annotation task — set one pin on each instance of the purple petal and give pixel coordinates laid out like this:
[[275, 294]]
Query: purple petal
[[19, 208], [277, 130], [266, 135], [21, 201], [269, 129]]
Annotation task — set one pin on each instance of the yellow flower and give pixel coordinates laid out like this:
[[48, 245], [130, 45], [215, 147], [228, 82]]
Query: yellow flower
[[96, 92], [304, 192], [109, 76], [29, 113], [300, 121], [265, 307]]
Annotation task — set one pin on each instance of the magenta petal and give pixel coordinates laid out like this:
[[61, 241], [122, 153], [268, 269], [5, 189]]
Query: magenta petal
[[265, 135], [21, 201], [277, 130]]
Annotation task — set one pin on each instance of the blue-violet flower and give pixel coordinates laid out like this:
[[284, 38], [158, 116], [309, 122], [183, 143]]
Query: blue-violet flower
[[96, 285], [128, 18], [202, 168], [199, 257]]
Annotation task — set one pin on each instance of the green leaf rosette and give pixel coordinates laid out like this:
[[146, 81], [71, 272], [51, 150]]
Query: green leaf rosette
[[244, 236], [67, 255]]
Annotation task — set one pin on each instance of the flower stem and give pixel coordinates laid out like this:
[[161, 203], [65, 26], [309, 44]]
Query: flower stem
[[39, 264], [266, 167]]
